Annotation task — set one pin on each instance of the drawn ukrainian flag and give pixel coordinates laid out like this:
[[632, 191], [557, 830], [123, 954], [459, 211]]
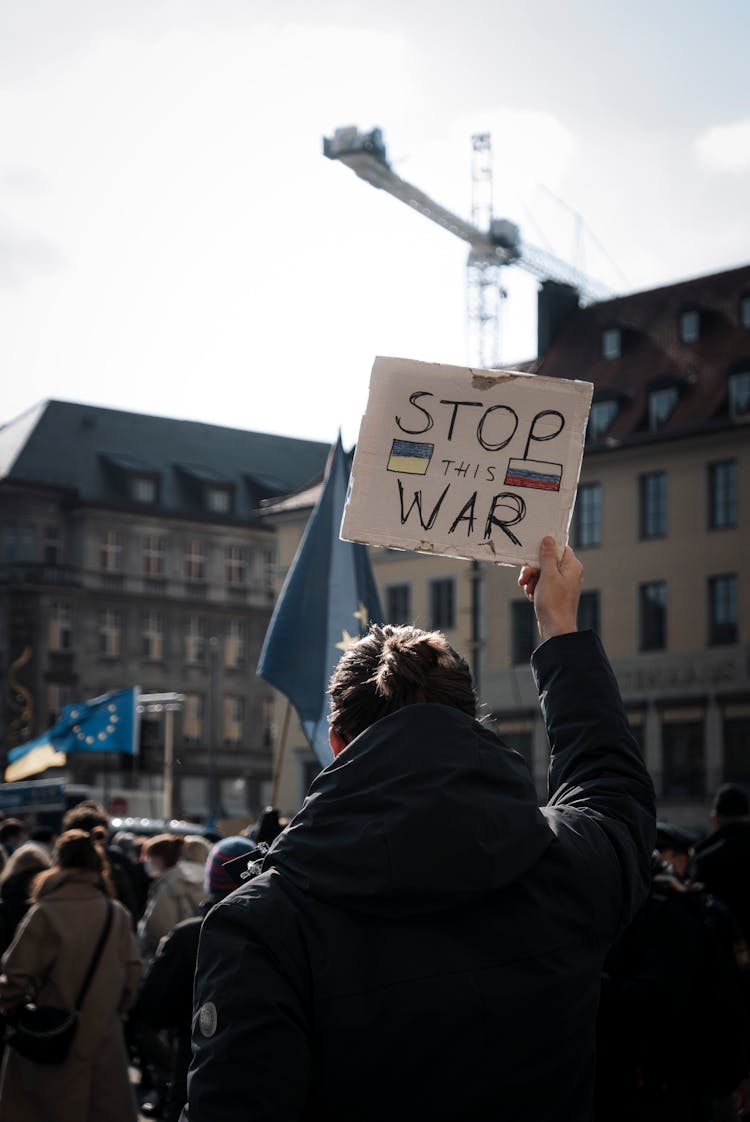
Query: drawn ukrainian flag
[[410, 457], [537, 474]]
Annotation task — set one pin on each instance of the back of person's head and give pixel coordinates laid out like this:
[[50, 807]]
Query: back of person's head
[[45, 835], [79, 849], [28, 857], [217, 881], [392, 667], [731, 803], [195, 848], [86, 815], [166, 848], [11, 830]]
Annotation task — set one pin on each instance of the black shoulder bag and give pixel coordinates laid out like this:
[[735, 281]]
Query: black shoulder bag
[[44, 1033]]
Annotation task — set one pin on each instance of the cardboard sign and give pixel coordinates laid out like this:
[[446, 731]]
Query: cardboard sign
[[467, 463]]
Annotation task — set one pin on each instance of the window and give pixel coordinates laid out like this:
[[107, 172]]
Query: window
[[234, 720], [588, 611], [723, 621], [59, 626], [58, 696], [443, 603], [690, 326], [110, 551], [736, 739], [143, 489], [235, 646], [683, 764], [236, 564], [52, 545], [601, 417], [588, 515], [398, 603], [739, 394], [745, 311], [27, 543], [192, 717], [611, 343], [523, 634], [195, 640], [722, 495], [9, 543], [653, 616], [268, 557], [218, 500], [153, 556], [153, 636], [195, 561], [661, 404], [653, 505], [110, 633]]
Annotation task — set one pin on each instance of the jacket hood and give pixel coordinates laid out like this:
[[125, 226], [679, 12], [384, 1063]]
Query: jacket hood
[[424, 811]]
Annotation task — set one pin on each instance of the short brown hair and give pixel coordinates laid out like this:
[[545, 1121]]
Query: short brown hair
[[391, 667], [167, 847], [86, 816]]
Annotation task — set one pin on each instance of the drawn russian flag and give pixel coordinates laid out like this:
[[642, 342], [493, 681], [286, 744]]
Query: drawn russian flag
[[534, 473], [409, 457]]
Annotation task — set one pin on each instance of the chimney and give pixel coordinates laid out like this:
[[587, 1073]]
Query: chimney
[[556, 303]]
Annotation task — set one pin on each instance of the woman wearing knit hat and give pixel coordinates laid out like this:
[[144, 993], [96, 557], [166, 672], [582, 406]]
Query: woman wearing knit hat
[[166, 997]]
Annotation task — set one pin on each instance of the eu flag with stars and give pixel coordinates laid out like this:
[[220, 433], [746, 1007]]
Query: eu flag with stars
[[328, 601], [108, 723]]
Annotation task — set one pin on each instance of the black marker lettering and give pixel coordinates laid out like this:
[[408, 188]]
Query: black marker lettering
[[456, 405], [550, 436], [447, 465], [417, 501], [491, 473], [413, 401], [466, 514], [462, 468], [512, 502], [480, 428]]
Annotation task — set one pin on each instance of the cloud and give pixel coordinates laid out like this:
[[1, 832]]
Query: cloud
[[725, 147], [21, 256]]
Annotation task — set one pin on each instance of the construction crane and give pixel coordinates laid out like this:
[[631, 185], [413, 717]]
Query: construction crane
[[493, 242]]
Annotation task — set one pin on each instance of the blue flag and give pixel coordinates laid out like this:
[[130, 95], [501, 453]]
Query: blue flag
[[105, 724], [328, 601]]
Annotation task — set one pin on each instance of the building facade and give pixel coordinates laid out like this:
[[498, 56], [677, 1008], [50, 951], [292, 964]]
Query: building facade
[[661, 524], [132, 553]]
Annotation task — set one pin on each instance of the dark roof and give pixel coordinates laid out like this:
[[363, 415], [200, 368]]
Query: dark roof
[[92, 452], [653, 356]]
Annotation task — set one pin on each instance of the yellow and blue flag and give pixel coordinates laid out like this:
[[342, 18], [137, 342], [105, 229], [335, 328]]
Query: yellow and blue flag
[[410, 457], [328, 601], [108, 723]]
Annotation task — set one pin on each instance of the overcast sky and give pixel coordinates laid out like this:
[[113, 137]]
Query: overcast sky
[[172, 239]]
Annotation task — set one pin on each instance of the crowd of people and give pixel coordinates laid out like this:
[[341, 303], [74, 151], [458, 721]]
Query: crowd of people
[[131, 1050], [423, 941]]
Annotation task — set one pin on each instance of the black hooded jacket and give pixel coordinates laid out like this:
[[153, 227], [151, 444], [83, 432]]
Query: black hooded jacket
[[425, 942]]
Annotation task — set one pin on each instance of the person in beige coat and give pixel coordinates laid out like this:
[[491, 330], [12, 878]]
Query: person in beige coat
[[176, 865], [48, 960]]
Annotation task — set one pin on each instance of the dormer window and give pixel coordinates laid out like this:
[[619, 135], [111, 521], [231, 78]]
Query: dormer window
[[218, 500], [739, 394], [143, 489], [611, 343], [661, 404], [745, 312], [601, 417], [690, 326]]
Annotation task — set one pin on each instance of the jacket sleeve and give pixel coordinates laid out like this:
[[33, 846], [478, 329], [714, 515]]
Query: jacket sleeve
[[251, 1038], [27, 960], [599, 787]]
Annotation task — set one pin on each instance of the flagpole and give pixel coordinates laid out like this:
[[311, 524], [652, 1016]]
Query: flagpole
[[168, 786], [280, 754]]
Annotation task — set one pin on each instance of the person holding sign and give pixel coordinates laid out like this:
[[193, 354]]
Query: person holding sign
[[423, 941]]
